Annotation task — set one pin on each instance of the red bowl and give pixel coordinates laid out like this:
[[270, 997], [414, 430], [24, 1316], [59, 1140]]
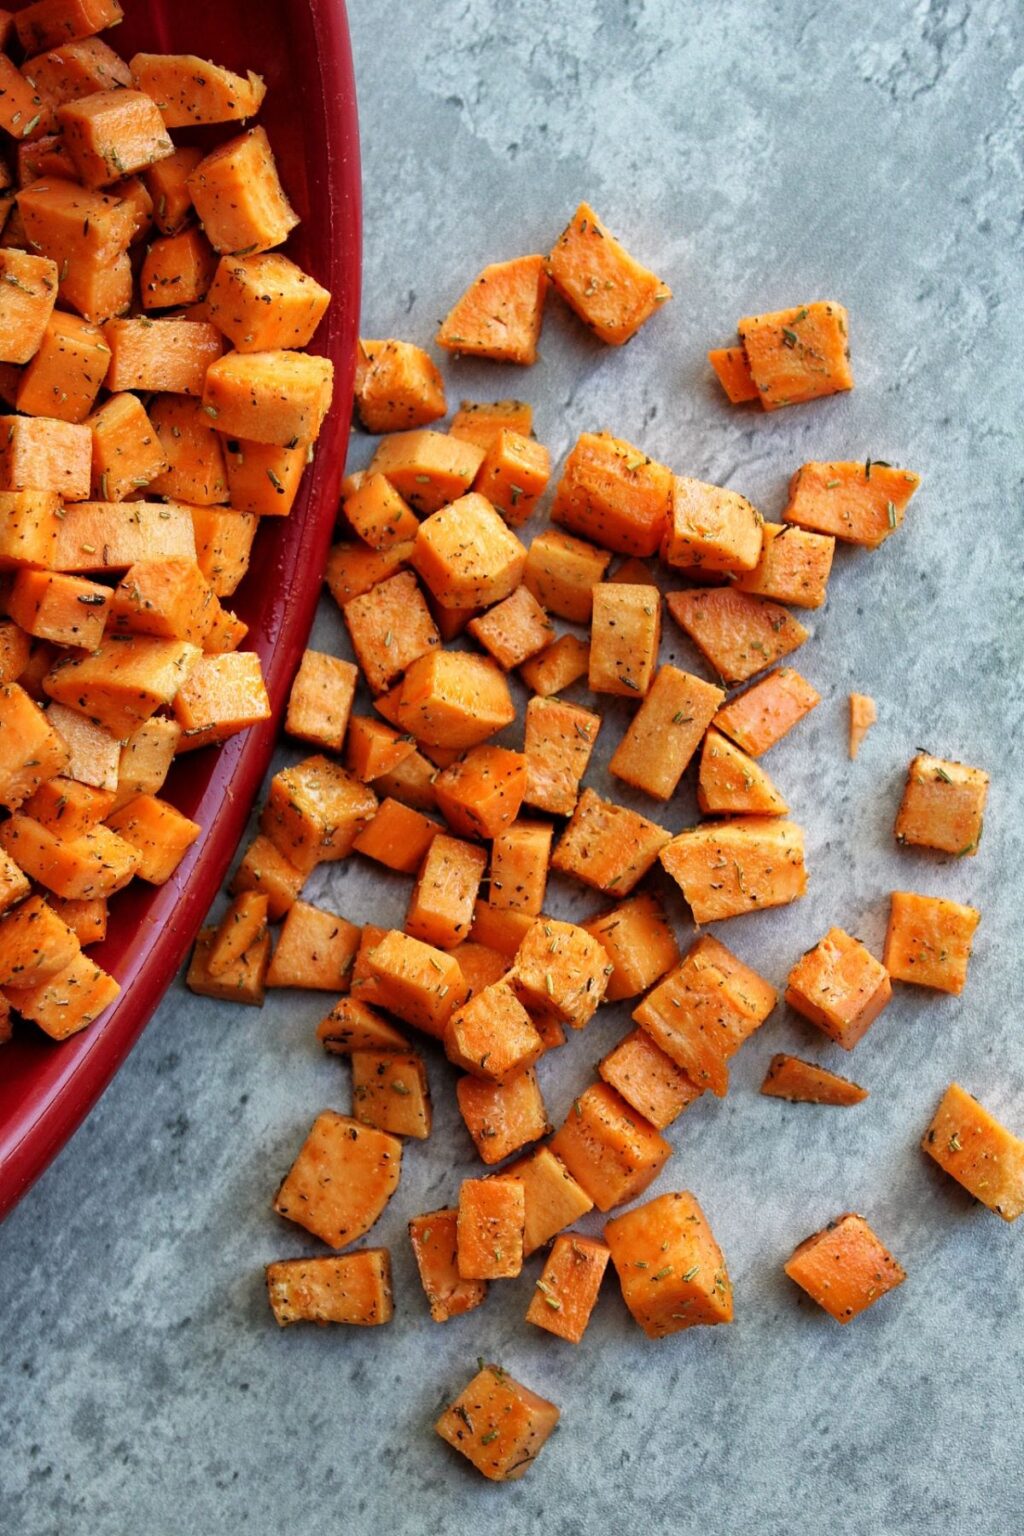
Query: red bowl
[[301, 47]]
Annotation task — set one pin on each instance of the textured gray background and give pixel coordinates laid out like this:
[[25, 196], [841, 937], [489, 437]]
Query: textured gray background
[[756, 153]]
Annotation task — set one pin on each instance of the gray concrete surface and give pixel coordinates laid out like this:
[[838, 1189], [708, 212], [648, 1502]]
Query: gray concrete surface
[[756, 153]]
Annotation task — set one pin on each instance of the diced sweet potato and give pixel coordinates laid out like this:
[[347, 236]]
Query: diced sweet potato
[[498, 1424], [440, 908], [499, 316], [840, 987], [378, 514], [24, 114], [492, 1213], [51, 23], [639, 943], [863, 715], [411, 783], [28, 292], [342, 1179], [169, 598], [87, 919], [390, 1091], [222, 540], [514, 475], [761, 716], [559, 740], [68, 69], [373, 748], [397, 386], [67, 1002], [220, 696], [480, 421], [166, 355], [263, 477], [797, 354], [844, 1267], [416, 982], [353, 1026], [502, 1118], [624, 638], [598, 278], [520, 856], [38, 453], [943, 805], [566, 1292], [112, 134], [161, 835], [314, 812], [124, 681], [467, 556], [65, 609], [429, 469], [397, 837], [614, 494], [612, 1151], [671, 1269], [66, 372], [794, 566], [561, 971], [481, 794], [390, 627], [277, 397], [973, 1147], [265, 302], [562, 572], [239, 198], [355, 1288], [726, 868], [711, 529], [733, 373], [455, 700], [86, 234], [167, 184], [243, 924], [242, 982], [96, 864], [113, 536], [731, 783], [31, 751], [554, 1200], [265, 868], [563, 663], [492, 1036], [191, 90], [608, 846], [69, 808], [857, 503], [501, 928], [29, 527], [928, 941], [144, 760], [94, 754], [648, 1079], [737, 634], [435, 1249], [665, 731], [14, 883], [802, 1082], [481, 966], [35, 944], [514, 629], [177, 270]]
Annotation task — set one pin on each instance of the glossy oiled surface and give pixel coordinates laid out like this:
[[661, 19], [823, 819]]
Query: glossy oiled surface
[[301, 48]]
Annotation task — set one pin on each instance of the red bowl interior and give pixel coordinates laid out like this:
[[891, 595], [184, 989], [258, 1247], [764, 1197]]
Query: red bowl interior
[[301, 47]]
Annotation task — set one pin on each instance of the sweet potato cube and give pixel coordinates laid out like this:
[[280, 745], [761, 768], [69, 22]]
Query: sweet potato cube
[[973, 1147], [614, 494], [611, 1150], [15, 652], [492, 1035], [608, 846], [500, 928], [418, 983], [928, 941], [559, 740], [731, 783], [379, 515], [943, 804], [440, 908], [35, 944], [166, 355], [96, 864], [177, 270], [499, 316], [87, 919], [315, 810], [726, 868], [513, 630], [24, 114], [794, 566], [191, 90], [492, 1213], [737, 634], [624, 638], [761, 716], [390, 1091], [733, 373], [265, 302], [397, 386], [86, 234], [14, 883], [498, 1424], [566, 1292], [435, 1248], [844, 1267], [222, 540], [555, 668], [520, 856], [562, 572], [363, 984], [797, 354], [481, 966], [648, 1080], [412, 784], [398, 837], [355, 1288], [597, 277], [703, 1011], [352, 569], [69, 808], [639, 942], [68, 69], [390, 627], [840, 987], [264, 867], [28, 292], [480, 421], [64, 609], [64, 376], [144, 760], [554, 1200], [467, 556], [93, 753], [29, 527], [239, 198], [113, 536], [665, 732], [220, 696], [856, 503], [161, 835], [802, 1082], [169, 598], [112, 134], [430, 470], [711, 528], [242, 982], [480, 795], [373, 748], [514, 475], [67, 1002], [52, 23], [277, 397], [39, 453], [315, 951], [342, 1179], [502, 1118], [263, 477], [671, 1270], [243, 924], [124, 681], [454, 700], [353, 1026], [31, 751]]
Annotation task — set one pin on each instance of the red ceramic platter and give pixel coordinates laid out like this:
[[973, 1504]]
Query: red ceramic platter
[[301, 47]]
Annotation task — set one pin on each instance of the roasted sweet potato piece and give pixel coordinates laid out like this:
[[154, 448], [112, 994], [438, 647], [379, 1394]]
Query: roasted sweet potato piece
[[514, 475], [857, 503], [353, 1026], [562, 573], [242, 982], [113, 536], [264, 867], [86, 234], [160, 834], [802, 1082], [315, 811], [562, 664], [498, 1424], [711, 529], [943, 805], [24, 114], [31, 751], [492, 1213], [191, 90], [66, 70], [558, 742], [28, 292], [397, 386], [481, 794], [239, 198], [435, 1249], [613, 1152], [355, 1288], [500, 928], [144, 760], [342, 1179], [863, 715], [670, 1267], [416, 982], [972, 1146], [480, 421], [124, 681], [608, 846], [390, 627], [65, 374], [397, 837], [733, 373], [112, 134], [928, 941], [35, 944], [454, 700], [67, 1002], [598, 278], [263, 477], [96, 864], [614, 494], [38, 453], [797, 354], [561, 971], [178, 269], [520, 856], [566, 1292], [844, 1267], [502, 1118], [467, 556], [69, 808], [514, 629], [665, 731], [440, 909], [625, 635], [648, 1079], [243, 924], [737, 634], [492, 1036], [220, 696], [639, 943], [163, 354], [554, 1200], [277, 397], [840, 987], [87, 919], [429, 469], [390, 1090], [726, 868], [761, 716], [65, 609], [373, 748], [51, 23], [731, 783], [379, 515], [499, 316], [794, 566], [94, 754]]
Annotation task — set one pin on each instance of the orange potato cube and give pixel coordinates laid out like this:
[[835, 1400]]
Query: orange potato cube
[[112, 134], [492, 1036], [480, 421], [243, 982], [973, 1147], [178, 269], [52, 23], [480, 794], [562, 572], [127, 453], [840, 987], [265, 302], [35, 944], [943, 804], [560, 665], [243, 924], [28, 292], [418, 983], [513, 630], [802, 1082], [566, 1292], [737, 634], [520, 856], [167, 184], [844, 1267], [733, 373], [124, 681], [373, 748], [31, 751], [113, 536], [481, 966], [608, 846], [166, 355], [15, 652], [703, 1011], [86, 919], [355, 1288], [379, 515], [863, 715], [731, 783], [726, 868], [264, 868], [514, 475], [648, 1080], [64, 609], [499, 316], [671, 1270], [262, 477], [38, 453], [498, 1424], [93, 754], [24, 114], [397, 386], [489, 1231], [454, 700], [67, 1002], [315, 951], [614, 494], [69, 808], [191, 90], [96, 864], [561, 971], [440, 908], [761, 716], [161, 835], [222, 540], [239, 198], [220, 696], [597, 277], [315, 811], [144, 760], [411, 783], [64, 375], [794, 566], [500, 928], [29, 527], [398, 837], [554, 1200], [429, 469], [271, 397], [612, 1151], [390, 1091], [928, 941], [711, 528], [639, 942], [342, 1179], [353, 1026], [86, 234], [665, 732], [624, 638], [170, 598], [14, 883], [76, 68], [856, 503], [435, 1249], [390, 627], [502, 1118], [559, 740], [797, 354], [467, 556]]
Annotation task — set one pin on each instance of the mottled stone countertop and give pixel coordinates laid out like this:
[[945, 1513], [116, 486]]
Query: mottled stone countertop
[[756, 153]]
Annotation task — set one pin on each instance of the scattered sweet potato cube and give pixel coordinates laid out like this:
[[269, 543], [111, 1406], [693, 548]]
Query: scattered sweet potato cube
[[411, 783], [114, 536], [390, 627], [671, 1270], [500, 314], [558, 742], [397, 386], [856, 503], [648, 1080], [242, 982], [440, 908], [943, 805], [264, 867], [29, 526], [973, 1147], [555, 668], [492, 1213], [562, 572], [639, 942], [315, 811], [614, 494], [239, 198], [566, 1292], [377, 513], [797, 354], [520, 856], [481, 966], [96, 864], [416, 982], [802, 1082], [435, 1248], [353, 1026], [243, 924], [844, 1267], [554, 1200], [500, 928], [711, 528], [794, 566], [373, 748], [492, 1035], [315, 950], [598, 278], [840, 987], [928, 941], [466, 554], [454, 700], [665, 731], [320, 701], [738, 635], [498, 1424], [608, 846], [609, 1148], [730, 783], [67, 1002], [514, 475], [514, 629], [390, 1091], [761, 716], [429, 469], [354, 1288], [481, 793], [733, 373], [65, 373], [221, 695], [726, 868], [277, 397], [28, 292], [480, 421], [342, 1179], [624, 638], [502, 1118], [561, 971], [397, 837], [168, 598]]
